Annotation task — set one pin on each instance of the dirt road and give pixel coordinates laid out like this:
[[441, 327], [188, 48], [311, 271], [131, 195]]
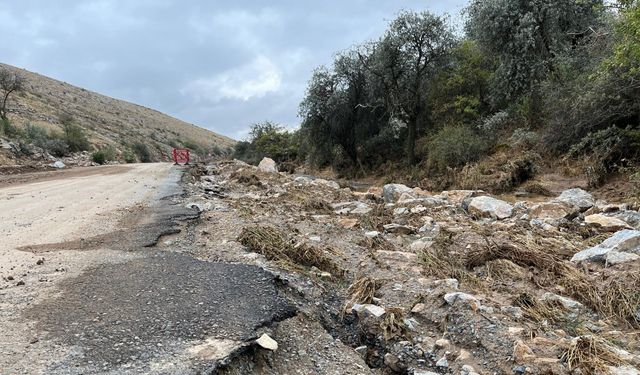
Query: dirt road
[[83, 290]]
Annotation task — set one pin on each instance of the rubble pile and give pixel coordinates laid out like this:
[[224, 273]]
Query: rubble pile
[[454, 282]]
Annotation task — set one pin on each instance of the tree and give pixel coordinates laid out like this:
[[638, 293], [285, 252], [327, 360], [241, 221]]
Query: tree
[[404, 61], [527, 37], [10, 82]]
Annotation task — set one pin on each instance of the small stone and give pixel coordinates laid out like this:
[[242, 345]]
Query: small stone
[[372, 234], [369, 309], [442, 344], [610, 224], [419, 308], [521, 352], [362, 350], [40, 262], [20, 283], [392, 192], [267, 342], [442, 363], [348, 223], [459, 297]]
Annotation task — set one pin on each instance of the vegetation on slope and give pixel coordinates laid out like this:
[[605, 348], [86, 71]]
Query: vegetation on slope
[[526, 78]]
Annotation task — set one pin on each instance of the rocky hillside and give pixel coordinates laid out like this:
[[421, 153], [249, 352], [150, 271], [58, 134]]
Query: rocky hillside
[[107, 121], [399, 280]]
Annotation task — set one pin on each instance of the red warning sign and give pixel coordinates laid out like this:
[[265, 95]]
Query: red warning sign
[[181, 156]]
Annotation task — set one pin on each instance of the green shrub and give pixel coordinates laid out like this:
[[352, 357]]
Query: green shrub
[[75, 137], [129, 157], [103, 156], [454, 146], [8, 128], [140, 149], [36, 135], [56, 147]]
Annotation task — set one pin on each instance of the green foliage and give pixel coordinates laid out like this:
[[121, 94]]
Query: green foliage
[[129, 157], [57, 147], [459, 93], [8, 128], [103, 156], [36, 135], [268, 140], [142, 151], [74, 135], [454, 146], [626, 53], [527, 37]]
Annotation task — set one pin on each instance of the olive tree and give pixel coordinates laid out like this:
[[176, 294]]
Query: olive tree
[[404, 62], [10, 82], [527, 37]]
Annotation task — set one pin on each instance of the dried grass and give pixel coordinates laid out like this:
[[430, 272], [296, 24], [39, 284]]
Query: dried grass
[[393, 324], [591, 355], [362, 291], [439, 262], [539, 311], [276, 245], [502, 270]]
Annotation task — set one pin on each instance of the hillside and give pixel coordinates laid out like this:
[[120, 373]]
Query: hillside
[[108, 122]]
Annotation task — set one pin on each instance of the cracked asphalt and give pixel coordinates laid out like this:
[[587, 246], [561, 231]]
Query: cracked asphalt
[[112, 303]]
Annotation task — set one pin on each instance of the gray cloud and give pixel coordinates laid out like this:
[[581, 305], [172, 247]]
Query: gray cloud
[[220, 65]]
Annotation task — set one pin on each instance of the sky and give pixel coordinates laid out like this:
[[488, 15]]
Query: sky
[[222, 65]]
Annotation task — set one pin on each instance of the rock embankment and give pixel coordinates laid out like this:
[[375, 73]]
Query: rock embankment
[[417, 282]]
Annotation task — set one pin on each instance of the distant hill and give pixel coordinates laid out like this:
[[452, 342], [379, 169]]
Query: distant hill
[[107, 121]]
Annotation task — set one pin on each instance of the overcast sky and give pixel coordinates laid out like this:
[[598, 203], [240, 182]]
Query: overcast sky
[[222, 65]]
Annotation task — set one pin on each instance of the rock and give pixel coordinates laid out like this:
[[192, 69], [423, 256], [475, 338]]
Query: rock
[[419, 308], [442, 363], [392, 192], [443, 344], [196, 206], [303, 180], [420, 245], [393, 362], [522, 353], [268, 165], [331, 184], [468, 370], [400, 211], [458, 196], [419, 372], [610, 224], [490, 207], [632, 218], [567, 303], [623, 370], [576, 197], [354, 207], [447, 283], [513, 311], [369, 309], [361, 209], [624, 241], [399, 229], [553, 211], [58, 164], [464, 298], [372, 234], [267, 342], [348, 223]]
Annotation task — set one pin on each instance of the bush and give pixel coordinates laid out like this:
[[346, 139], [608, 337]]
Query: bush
[[142, 151], [8, 128], [75, 137], [57, 147], [129, 157], [36, 135], [454, 146], [103, 156]]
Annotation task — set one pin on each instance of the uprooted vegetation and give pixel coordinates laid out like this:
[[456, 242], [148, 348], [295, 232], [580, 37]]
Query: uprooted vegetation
[[276, 245], [423, 278]]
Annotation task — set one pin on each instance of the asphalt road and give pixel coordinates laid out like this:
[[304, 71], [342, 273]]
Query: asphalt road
[[84, 291]]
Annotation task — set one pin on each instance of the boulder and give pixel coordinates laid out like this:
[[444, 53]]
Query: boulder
[[490, 207], [623, 246], [392, 192], [458, 196], [632, 218], [462, 298], [553, 211], [610, 224], [577, 197], [268, 165], [323, 182], [58, 164]]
